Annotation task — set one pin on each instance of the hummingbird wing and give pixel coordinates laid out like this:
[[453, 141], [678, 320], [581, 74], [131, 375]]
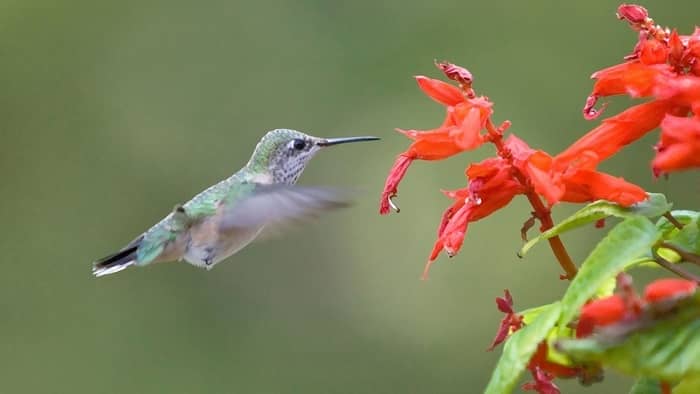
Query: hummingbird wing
[[275, 206]]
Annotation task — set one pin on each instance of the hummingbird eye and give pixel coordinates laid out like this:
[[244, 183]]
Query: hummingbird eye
[[299, 144]]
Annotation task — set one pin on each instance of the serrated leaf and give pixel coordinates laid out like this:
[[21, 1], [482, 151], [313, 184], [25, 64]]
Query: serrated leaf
[[665, 349], [519, 348], [646, 386], [656, 205], [626, 242]]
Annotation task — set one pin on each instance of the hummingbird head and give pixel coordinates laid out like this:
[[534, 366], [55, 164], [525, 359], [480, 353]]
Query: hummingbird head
[[284, 153]]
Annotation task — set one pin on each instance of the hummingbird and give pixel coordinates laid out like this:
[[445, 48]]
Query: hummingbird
[[226, 217]]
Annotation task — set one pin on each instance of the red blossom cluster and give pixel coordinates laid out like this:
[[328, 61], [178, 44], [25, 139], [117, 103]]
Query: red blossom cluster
[[624, 306], [664, 66], [542, 369], [627, 305]]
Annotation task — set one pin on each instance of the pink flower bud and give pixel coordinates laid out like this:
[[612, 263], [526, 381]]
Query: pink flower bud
[[632, 13]]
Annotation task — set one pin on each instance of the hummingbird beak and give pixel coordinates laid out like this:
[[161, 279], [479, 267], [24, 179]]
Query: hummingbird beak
[[336, 141]]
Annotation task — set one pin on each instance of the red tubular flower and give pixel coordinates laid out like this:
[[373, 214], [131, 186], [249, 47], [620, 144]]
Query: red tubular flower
[[491, 187], [392, 181], [664, 65], [670, 288], [543, 370], [440, 91], [616, 132], [600, 313], [577, 182], [587, 185], [632, 78], [679, 147], [460, 131], [683, 91]]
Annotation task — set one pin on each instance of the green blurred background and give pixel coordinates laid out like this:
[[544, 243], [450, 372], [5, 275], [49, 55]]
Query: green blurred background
[[112, 112]]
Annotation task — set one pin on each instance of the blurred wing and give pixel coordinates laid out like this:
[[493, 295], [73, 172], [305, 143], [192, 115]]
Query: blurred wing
[[277, 206]]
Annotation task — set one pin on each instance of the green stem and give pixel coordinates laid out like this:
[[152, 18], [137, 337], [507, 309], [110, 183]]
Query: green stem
[[541, 212]]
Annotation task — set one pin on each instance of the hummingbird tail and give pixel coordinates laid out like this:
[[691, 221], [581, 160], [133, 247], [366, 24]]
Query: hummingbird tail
[[117, 261]]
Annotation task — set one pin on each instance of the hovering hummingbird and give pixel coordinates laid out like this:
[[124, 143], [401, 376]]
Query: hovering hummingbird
[[227, 216]]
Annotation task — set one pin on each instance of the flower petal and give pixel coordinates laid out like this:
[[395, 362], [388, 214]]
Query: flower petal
[[588, 185], [467, 136], [616, 132], [440, 91], [391, 185], [669, 288], [679, 147], [600, 313], [653, 51], [632, 78]]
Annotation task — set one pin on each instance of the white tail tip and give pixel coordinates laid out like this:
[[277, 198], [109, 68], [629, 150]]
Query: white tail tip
[[98, 272]]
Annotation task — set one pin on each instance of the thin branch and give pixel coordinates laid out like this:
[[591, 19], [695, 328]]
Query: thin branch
[[674, 268], [541, 212], [685, 255], [673, 220]]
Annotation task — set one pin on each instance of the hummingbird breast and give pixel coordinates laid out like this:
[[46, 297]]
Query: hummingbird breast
[[207, 245]]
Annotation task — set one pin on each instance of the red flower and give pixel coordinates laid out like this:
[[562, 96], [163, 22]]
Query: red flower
[[510, 322], [679, 147], [664, 65], [543, 382], [653, 51], [587, 185], [632, 13], [397, 172], [491, 187], [626, 304], [460, 131], [573, 181], [600, 313], [616, 132], [543, 370], [670, 288], [439, 91]]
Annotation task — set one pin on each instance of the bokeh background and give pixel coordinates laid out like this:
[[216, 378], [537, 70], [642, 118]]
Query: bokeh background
[[112, 112]]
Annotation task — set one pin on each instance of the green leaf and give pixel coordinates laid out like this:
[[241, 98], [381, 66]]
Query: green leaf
[[687, 238], [627, 241], [665, 349], [682, 216], [689, 385], [529, 315], [646, 386], [519, 348], [608, 287], [656, 205]]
